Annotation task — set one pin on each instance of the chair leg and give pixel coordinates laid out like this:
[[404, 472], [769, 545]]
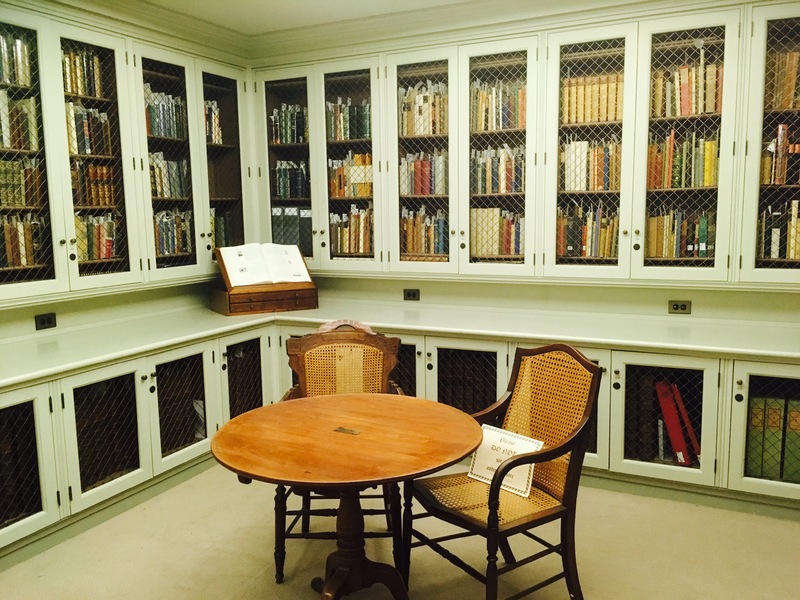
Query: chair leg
[[393, 493], [408, 501], [280, 532], [568, 557], [305, 520], [387, 504], [491, 565], [505, 550]]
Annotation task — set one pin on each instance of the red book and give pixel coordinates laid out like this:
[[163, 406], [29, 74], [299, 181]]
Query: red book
[[673, 423], [424, 166], [687, 424]]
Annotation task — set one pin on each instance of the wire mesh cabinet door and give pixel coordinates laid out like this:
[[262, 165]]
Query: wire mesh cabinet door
[[184, 404], [764, 453], [106, 433], [245, 365], [684, 184], [664, 416], [29, 494], [770, 235]]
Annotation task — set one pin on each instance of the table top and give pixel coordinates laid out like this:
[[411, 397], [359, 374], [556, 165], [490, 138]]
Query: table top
[[346, 439]]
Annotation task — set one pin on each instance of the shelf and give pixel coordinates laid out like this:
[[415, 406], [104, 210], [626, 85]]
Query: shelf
[[26, 208], [173, 199], [497, 132], [425, 196], [25, 268], [103, 157], [684, 118], [497, 195], [19, 151], [96, 207], [593, 124], [423, 257], [225, 200], [348, 198], [167, 140], [708, 189], [101, 261], [148, 74], [211, 147], [90, 99], [433, 137], [348, 142], [588, 192]]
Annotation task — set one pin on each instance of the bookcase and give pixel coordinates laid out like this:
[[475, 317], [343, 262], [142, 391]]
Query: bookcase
[[684, 177], [497, 92], [26, 252], [423, 172], [591, 101], [770, 231]]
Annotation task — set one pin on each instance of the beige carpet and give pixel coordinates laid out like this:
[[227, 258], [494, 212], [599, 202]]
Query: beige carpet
[[211, 537]]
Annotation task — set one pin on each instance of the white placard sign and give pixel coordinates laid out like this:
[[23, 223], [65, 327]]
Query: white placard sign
[[496, 447]]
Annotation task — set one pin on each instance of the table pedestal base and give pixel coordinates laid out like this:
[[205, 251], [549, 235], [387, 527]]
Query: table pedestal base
[[348, 569]]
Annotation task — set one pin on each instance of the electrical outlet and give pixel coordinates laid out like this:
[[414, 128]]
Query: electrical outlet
[[45, 321], [679, 307], [410, 294]]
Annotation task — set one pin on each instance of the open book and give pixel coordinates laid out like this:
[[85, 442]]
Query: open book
[[253, 264]]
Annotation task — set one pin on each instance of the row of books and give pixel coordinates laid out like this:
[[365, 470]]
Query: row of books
[[83, 73], [495, 231], [422, 232], [213, 127], [222, 228], [497, 105], [15, 60], [350, 177], [290, 180], [93, 185], [773, 439], [21, 183], [165, 115], [96, 236], [675, 233], [779, 232], [590, 165], [348, 121], [592, 99], [169, 178], [775, 158], [22, 240], [497, 170], [687, 90], [173, 232], [292, 225], [351, 233], [289, 124], [88, 130], [19, 122], [690, 162], [589, 232], [781, 90], [423, 174], [422, 109]]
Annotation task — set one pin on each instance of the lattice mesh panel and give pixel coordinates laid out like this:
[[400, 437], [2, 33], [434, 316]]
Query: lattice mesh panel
[[221, 118], [663, 415], [348, 127], [467, 379], [498, 92], [181, 403], [683, 153], [26, 248], [773, 429], [590, 152], [423, 126], [90, 100], [170, 168], [405, 373], [20, 492], [778, 239], [289, 160], [107, 431], [244, 377]]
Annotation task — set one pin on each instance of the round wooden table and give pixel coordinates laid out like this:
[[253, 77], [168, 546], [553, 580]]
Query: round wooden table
[[348, 442]]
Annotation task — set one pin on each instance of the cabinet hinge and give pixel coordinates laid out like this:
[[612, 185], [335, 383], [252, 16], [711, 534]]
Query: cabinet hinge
[[134, 163], [386, 72], [51, 404], [148, 264], [58, 497], [378, 72], [259, 171], [729, 262], [537, 55], [213, 357], [380, 167], [62, 401], [719, 378], [269, 341], [69, 489], [248, 171], [534, 260], [388, 256], [134, 60], [738, 31], [245, 86], [141, 163], [715, 465], [746, 146], [734, 148], [547, 53], [280, 341], [740, 262], [535, 157], [126, 57], [544, 158], [506, 359]]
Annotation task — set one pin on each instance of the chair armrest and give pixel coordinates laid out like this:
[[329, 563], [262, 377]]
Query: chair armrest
[[292, 394], [490, 413]]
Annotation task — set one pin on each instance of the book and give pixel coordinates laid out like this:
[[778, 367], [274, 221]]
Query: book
[[774, 416], [687, 422], [791, 446], [672, 420], [253, 264]]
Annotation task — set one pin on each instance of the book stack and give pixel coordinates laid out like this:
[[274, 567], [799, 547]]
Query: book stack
[[88, 130], [350, 177], [497, 105], [592, 99], [687, 90], [496, 232], [691, 162], [213, 127], [15, 60], [289, 124], [92, 185], [675, 233], [781, 90], [423, 174], [82, 73], [292, 225], [96, 236], [779, 232], [423, 233], [165, 115], [351, 233], [347, 121], [290, 180], [19, 122], [586, 232], [590, 165], [422, 109], [22, 240], [497, 170], [773, 439], [173, 231], [168, 178], [20, 183], [776, 158]]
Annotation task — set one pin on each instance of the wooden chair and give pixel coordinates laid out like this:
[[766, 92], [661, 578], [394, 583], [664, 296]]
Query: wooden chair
[[340, 357], [550, 397]]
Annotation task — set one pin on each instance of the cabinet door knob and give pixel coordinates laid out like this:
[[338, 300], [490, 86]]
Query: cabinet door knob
[[224, 367], [463, 245], [636, 246], [452, 232], [419, 352], [152, 389], [322, 232], [72, 256], [624, 232], [72, 240], [636, 231], [144, 377], [430, 366], [202, 234], [323, 244], [314, 231], [62, 242], [616, 385], [738, 397]]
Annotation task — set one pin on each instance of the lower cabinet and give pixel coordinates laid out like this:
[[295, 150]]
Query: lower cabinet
[[245, 365]]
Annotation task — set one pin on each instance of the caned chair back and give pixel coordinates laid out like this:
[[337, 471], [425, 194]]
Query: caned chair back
[[548, 402]]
